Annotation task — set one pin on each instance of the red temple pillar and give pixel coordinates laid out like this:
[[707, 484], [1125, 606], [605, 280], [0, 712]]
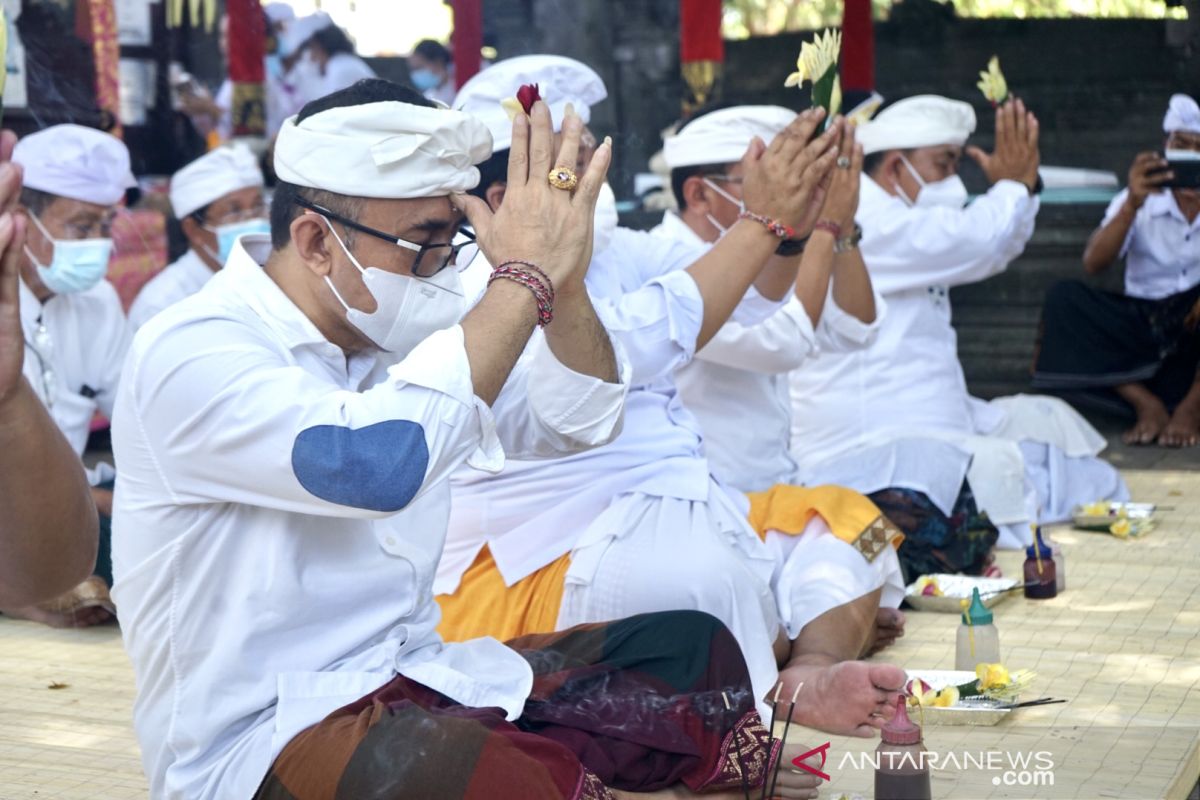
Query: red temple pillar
[[96, 23], [247, 43], [701, 51], [467, 39], [858, 46]]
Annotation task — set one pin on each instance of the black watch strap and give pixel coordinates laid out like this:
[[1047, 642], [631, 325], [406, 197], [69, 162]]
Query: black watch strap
[[791, 247]]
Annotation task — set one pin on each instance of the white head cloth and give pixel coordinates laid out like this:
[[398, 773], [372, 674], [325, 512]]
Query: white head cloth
[[1182, 115], [722, 137], [76, 162], [560, 80], [389, 150], [300, 30], [922, 121], [212, 176], [279, 12]]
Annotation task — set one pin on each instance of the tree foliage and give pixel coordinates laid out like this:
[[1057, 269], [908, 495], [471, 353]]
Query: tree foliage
[[745, 18]]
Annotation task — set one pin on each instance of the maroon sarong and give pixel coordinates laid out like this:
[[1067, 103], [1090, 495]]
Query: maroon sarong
[[640, 704]]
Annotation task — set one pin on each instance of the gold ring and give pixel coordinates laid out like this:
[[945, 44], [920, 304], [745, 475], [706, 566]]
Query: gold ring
[[563, 178]]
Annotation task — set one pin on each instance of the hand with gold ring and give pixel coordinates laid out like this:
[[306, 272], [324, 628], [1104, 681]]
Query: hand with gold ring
[[564, 178], [537, 221]]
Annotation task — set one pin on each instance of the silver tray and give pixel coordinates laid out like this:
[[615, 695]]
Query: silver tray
[[1140, 516], [967, 711], [957, 588]]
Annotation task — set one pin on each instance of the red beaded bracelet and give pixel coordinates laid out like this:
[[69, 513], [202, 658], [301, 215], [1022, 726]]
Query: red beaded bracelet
[[532, 268], [773, 225], [543, 294], [829, 227]]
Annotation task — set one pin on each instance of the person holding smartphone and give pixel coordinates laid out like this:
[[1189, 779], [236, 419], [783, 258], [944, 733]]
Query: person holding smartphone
[[1138, 351]]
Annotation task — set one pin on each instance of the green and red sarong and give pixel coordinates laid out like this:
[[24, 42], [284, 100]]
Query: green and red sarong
[[639, 704]]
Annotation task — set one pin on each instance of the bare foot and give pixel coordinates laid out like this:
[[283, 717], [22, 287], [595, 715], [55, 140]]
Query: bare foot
[[889, 626], [87, 604], [1152, 418], [1184, 428], [791, 782], [850, 698], [81, 618]]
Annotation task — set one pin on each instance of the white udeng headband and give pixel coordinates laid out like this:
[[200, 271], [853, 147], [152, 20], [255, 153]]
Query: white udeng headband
[[389, 150]]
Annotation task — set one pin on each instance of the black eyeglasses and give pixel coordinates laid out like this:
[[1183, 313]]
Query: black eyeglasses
[[431, 258]]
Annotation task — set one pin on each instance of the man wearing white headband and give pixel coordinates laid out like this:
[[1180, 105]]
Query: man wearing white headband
[[285, 438], [879, 419], [737, 387], [217, 198], [76, 335], [1139, 350], [640, 524]]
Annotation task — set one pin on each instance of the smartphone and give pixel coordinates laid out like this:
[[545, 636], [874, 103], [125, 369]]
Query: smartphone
[[1187, 175]]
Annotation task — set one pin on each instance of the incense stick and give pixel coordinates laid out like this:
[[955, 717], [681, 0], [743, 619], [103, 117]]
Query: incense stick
[[783, 739], [1045, 701], [771, 739], [737, 740]]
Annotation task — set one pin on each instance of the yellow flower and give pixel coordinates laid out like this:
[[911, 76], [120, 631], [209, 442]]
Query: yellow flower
[[816, 58], [512, 107], [992, 83], [1121, 528], [919, 693], [946, 698], [992, 676]]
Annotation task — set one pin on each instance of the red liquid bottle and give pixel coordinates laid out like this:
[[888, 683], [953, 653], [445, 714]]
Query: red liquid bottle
[[1041, 574], [902, 772]]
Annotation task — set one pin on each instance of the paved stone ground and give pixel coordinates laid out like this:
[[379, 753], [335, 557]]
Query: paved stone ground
[[1153, 457]]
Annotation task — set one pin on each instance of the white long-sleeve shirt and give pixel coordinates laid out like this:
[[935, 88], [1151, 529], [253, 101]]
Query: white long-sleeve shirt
[[909, 379], [75, 346], [280, 512], [737, 385], [182, 278], [895, 398], [533, 512]]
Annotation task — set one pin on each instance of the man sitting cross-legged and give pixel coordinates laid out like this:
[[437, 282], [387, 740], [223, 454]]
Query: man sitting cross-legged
[[640, 524], [285, 436]]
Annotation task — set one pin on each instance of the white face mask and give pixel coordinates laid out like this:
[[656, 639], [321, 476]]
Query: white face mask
[[407, 308], [227, 236], [721, 229], [605, 221], [1182, 155], [947, 193], [76, 265]]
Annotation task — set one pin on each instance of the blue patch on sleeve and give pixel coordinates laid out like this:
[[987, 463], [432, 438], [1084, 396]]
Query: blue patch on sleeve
[[380, 467]]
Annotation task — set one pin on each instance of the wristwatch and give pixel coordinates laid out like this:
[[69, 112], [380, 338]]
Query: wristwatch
[[848, 243], [791, 247]]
